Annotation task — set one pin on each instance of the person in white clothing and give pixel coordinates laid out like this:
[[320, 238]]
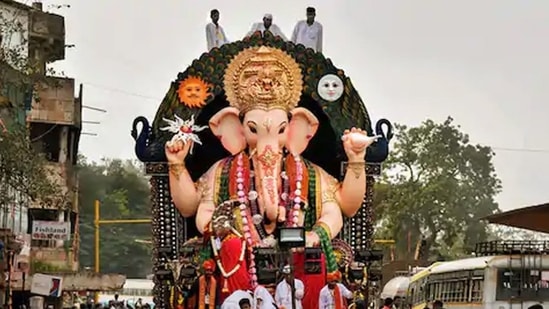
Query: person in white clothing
[[263, 299], [233, 301], [308, 32], [283, 293], [267, 24], [333, 294], [215, 35]]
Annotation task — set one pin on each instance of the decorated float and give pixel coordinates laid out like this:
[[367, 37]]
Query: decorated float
[[256, 137]]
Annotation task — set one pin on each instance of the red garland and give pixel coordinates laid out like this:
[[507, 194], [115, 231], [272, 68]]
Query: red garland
[[291, 171], [233, 190]]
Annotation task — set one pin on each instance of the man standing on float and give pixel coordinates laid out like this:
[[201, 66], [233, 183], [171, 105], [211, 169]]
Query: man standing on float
[[215, 35], [309, 32], [267, 25]]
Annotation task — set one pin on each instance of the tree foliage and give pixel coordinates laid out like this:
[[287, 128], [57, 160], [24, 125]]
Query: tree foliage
[[124, 194], [501, 232], [23, 171], [437, 186]]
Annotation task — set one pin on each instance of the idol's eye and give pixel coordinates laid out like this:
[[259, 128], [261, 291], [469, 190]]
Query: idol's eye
[[252, 128], [326, 85], [335, 85], [282, 129]]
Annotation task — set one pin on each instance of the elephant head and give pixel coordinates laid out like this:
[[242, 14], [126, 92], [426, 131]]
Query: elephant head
[[266, 133]]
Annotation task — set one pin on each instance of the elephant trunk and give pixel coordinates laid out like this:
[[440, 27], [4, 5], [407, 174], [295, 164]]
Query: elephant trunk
[[268, 162]]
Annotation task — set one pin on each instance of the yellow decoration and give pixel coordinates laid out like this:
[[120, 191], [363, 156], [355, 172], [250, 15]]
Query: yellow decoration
[[263, 78], [193, 92]]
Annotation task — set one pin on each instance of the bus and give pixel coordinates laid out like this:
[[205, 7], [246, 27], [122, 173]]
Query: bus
[[517, 281], [133, 290]]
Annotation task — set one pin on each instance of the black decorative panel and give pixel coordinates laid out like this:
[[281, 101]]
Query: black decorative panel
[[164, 232], [358, 230]]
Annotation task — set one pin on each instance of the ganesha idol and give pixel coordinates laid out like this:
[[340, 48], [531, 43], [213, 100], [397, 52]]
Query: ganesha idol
[[267, 179], [257, 131]]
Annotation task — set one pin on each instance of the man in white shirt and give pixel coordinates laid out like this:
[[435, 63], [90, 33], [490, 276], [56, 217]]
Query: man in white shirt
[[267, 24], [233, 301], [283, 293], [332, 296], [309, 32], [215, 36]]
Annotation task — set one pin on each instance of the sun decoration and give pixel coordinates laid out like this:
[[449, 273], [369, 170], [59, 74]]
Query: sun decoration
[[193, 92], [184, 130]]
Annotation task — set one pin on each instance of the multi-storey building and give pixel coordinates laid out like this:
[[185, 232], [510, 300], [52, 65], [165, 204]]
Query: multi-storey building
[[32, 38], [53, 115]]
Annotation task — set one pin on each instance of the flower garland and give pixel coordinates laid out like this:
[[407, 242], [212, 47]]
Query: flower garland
[[243, 193], [295, 180], [299, 185], [224, 273], [202, 292]]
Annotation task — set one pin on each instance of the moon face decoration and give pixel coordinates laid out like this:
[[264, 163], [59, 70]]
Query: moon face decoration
[[330, 87]]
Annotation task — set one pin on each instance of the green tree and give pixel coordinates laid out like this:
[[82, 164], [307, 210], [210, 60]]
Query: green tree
[[22, 169], [436, 186], [124, 194], [501, 232]]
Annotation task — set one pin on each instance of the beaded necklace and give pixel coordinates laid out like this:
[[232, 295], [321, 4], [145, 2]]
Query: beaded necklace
[[292, 197]]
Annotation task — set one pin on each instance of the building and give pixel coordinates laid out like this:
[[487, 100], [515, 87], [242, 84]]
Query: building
[[51, 108], [52, 113]]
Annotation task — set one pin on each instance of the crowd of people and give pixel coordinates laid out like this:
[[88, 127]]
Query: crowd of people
[[307, 32], [333, 295]]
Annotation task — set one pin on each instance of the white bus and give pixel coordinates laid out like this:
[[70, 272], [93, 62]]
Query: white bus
[[133, 290], [491, 282]]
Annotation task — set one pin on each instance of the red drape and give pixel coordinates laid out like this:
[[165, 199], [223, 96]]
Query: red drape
[[313, 283], [229, 254]]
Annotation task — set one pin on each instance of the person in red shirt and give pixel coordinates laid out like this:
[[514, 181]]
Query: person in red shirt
[[229, 248]]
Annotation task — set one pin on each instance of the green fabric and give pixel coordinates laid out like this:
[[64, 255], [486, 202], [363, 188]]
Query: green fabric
[[223, 195], [310, 214], [326, 245]]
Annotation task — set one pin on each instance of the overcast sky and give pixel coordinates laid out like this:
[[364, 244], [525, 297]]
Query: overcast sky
[[484, 62]]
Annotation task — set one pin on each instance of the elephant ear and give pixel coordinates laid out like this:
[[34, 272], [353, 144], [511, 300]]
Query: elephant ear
[[302, 128], [226, 126]]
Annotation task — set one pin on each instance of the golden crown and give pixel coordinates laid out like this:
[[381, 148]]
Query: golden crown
[[263, 78]]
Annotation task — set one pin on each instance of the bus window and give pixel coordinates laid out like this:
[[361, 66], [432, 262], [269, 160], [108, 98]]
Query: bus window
[[477, 289], [525, 285]]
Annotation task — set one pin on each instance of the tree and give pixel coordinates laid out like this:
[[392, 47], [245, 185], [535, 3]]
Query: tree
[[436, 186], [501, 232], [124, 194], [23, 170]]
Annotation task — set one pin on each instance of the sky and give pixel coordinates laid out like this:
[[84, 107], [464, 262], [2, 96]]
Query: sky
[[482, 62]]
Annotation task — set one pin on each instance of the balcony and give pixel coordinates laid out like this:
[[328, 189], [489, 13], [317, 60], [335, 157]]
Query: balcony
[[55, 103], [47, 35]]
